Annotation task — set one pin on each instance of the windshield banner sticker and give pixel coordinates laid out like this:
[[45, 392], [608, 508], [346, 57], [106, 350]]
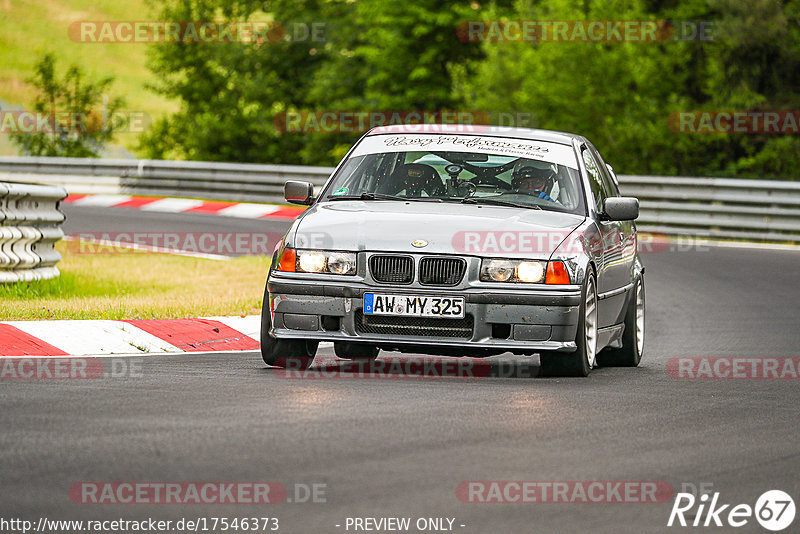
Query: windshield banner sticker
[[550, 152]]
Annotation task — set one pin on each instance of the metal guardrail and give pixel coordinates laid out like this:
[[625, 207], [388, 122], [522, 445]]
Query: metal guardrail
[[725, 208], [705, 207], [210, 180], [29, 229]]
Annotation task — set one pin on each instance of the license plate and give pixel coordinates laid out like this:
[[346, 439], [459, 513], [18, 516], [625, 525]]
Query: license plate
[[413, 305]]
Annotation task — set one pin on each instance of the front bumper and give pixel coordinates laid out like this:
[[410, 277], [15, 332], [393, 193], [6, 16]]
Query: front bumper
[[522, 320]]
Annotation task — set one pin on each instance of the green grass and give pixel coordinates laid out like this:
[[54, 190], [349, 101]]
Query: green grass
[[131, 285], [29, 29]]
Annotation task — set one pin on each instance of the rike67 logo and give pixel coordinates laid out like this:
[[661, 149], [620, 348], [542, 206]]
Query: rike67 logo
[[774, 510]]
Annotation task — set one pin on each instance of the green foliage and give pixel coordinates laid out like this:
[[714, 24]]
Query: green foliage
[[620, 95], [230, 93], [375, 55], [75, 119], [389, 56]]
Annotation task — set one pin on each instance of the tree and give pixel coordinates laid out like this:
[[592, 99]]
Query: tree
[[71, 117], [620, 94], [376, 55], [389, 56]]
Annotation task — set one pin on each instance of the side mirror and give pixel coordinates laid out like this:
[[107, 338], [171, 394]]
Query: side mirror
[[298, 192], [621, 208]]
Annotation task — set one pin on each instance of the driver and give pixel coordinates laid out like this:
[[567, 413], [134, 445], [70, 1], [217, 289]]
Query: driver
[[535, 178]]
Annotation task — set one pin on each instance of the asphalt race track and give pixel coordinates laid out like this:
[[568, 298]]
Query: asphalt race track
[[400, 446]]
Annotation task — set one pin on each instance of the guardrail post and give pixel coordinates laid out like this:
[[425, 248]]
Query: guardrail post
[[29, 228]]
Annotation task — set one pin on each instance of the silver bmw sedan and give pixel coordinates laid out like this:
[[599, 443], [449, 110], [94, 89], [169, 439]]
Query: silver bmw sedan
[[461, 241]]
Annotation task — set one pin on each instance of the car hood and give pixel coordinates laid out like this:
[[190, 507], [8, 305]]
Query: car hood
[[437, 228]]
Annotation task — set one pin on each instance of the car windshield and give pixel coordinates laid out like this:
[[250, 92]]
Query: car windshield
[[459, 168]]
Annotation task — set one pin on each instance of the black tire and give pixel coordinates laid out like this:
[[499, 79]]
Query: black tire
[[286, 353], [632, 336], [355, 351], [577, 363]]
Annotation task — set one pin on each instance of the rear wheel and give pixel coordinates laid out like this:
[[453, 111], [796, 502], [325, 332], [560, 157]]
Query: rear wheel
[[580, 362], [355, 351], [291, 353], [632, 335]]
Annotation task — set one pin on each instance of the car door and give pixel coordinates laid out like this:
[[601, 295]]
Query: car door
[[611, 270], [628, 229]]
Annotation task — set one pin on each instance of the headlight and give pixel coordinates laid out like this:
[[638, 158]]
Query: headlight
[[311, 262], [342, 263], [321, 261], [530, 272], [527, 271], [497, 270]]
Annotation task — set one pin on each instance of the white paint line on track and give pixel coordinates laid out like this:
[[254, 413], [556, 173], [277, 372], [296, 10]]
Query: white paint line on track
[[172, 205], [246, 210], [249, 326], [93, 337], [745, 244], [691, 243], [101, 201]]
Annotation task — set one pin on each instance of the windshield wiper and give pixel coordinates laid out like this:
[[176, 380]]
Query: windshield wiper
[[381, 196], [495, 202]]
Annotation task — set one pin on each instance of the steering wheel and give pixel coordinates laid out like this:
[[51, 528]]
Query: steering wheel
[[466, 189], [485, 176], [453, 170]]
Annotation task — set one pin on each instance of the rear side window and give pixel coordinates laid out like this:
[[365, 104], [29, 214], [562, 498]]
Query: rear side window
[[610, 184], [595, 179]]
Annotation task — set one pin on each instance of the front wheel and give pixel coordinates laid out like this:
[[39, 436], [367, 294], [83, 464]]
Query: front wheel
[[580, 362], [632, 334], [291, 353]]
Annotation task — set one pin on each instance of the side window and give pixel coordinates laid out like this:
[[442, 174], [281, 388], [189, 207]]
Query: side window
[[608, 179], [595, 179], [612, 183]]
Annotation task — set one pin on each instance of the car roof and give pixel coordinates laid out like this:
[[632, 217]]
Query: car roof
[[476, 129]]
